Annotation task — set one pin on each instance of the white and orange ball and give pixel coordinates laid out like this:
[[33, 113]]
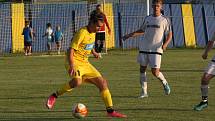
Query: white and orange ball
[[79, 110]]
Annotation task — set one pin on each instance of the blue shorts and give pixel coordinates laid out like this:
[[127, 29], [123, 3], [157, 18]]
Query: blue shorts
[[27, 43]]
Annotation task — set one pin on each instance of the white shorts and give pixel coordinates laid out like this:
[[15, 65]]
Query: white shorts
[[153, 60], [211, 68]]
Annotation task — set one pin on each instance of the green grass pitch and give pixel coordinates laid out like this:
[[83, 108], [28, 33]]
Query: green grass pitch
[[26, 82]]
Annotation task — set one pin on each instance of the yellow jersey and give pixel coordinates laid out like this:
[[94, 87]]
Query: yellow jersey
[[83, 43]]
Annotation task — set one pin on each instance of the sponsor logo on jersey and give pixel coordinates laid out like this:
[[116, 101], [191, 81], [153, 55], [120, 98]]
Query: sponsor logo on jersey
[[153, 26], [89, 46]]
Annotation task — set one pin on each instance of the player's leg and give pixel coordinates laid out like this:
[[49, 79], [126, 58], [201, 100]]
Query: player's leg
[[97, 43], [155, 62], [207, 76], [204, 91], [75, 82], [58, 46], [102, 85], [94, 77], [143, 82], [49, 47], [204, 86], [29, 48], [101, 46], [25, 48], [156, 72], [102, 41], [142, 59]]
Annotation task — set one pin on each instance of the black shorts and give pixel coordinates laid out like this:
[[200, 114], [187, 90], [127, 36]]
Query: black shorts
[[27, 43], [58, 42], [100, 36]]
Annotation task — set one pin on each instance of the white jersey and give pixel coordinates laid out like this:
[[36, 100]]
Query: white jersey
[[154, 30], [49, 32]]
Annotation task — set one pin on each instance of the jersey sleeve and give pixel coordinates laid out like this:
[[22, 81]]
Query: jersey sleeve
[[78, 38], [168, 27], [143, 26]]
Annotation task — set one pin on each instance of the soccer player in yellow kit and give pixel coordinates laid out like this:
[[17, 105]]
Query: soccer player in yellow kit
[[81, 70]]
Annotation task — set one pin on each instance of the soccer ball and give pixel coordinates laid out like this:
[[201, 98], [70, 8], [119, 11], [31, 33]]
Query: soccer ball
[[79, 110]]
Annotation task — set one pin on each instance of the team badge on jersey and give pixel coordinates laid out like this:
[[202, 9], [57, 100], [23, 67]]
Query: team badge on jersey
[[89, 46]]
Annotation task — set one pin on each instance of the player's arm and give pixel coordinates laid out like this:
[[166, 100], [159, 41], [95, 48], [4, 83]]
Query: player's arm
[[95, 54], [167, 41], [31, 33], [62, 37], [46, 33], [71, 61], [107, 24], [136, 33], [133, 34], [207, 49], [168, 33], [77, 39]]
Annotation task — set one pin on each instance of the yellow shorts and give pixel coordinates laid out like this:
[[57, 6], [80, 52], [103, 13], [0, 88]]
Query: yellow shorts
[[83, 70]]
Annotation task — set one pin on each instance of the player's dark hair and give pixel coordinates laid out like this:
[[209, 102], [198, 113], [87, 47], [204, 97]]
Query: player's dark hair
[[48, 25], [95, 17], [27, 22], [99, 5], [157, 1]]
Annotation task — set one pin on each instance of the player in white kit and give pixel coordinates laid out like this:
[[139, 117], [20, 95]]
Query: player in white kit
[[207, 76], [154, 28]]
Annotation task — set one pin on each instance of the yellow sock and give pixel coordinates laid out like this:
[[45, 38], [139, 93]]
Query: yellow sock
[[106, 96], [64, 89]]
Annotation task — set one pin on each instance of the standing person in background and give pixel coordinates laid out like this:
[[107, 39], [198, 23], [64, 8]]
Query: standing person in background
[[58, 38], [100, 34], [28, 36], [49, 34]]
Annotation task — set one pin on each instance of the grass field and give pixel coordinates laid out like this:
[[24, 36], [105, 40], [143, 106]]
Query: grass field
[[26, 82]]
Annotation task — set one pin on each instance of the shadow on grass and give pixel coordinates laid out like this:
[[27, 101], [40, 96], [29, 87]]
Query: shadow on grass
[[48, 116], [99, 110], [88, 118], [47, 111], [60, 118], [43, 97], [182, 70], [166, 70], [155, 109]]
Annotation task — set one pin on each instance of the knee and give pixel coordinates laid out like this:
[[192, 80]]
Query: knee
[[204, 80], [142, 69], [75, 83], [155, 72], [103, 85]]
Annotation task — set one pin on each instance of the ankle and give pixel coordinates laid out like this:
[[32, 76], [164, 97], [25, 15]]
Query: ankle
[[110, 110], [55, 95]]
